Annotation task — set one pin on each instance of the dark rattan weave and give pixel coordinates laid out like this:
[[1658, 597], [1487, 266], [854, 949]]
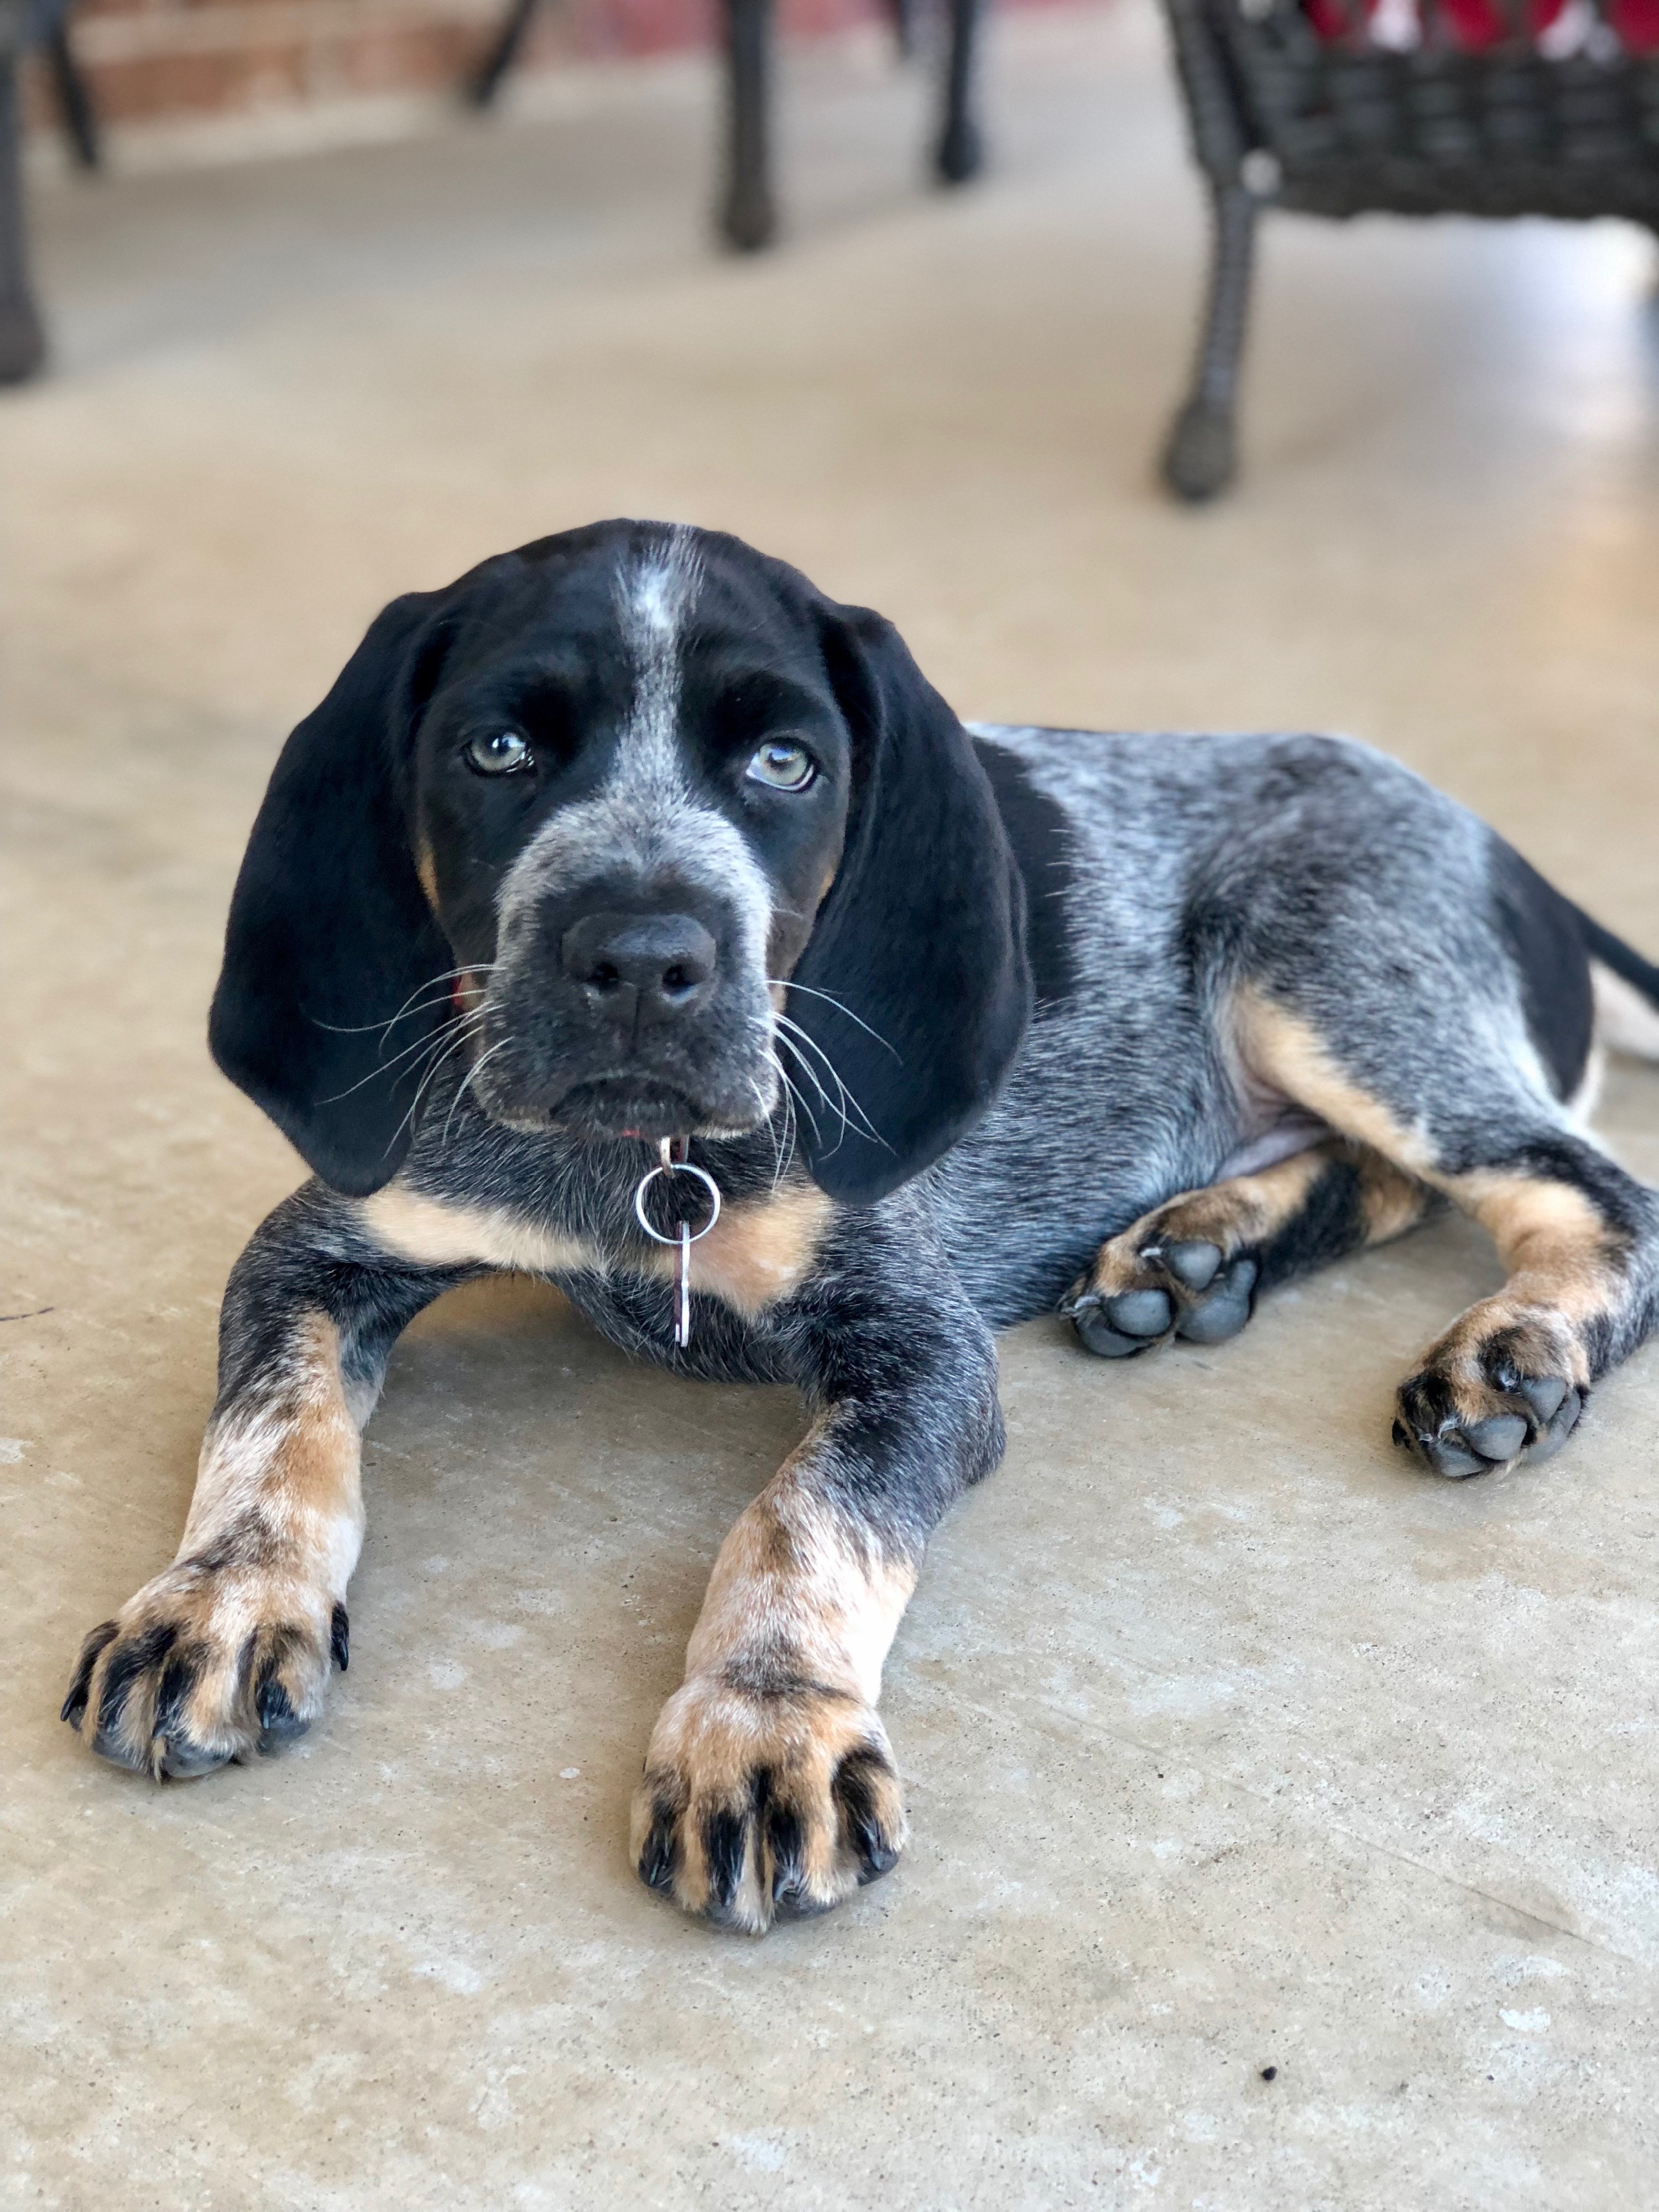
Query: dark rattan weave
[[1281, 117]]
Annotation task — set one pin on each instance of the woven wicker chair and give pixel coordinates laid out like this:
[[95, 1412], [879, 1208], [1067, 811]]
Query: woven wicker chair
[[1290, 106]]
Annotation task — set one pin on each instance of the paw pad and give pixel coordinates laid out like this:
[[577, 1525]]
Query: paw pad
[[1460, 1425], [1224, 1310], [1205, 1303]]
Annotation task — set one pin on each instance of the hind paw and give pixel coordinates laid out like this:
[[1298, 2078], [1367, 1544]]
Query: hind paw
[[1139, 1295], [1485, 1397]]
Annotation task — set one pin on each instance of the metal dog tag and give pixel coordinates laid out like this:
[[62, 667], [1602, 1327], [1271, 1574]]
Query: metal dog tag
[[672, 1161]]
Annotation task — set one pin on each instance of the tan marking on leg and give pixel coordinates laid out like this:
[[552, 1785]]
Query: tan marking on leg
[[274, 1531], [1243, 1211], [290, 1458], [774, 1732], [1248, 1212], [1562, 1263], [1558, 1248], [794, 1578], [1279, 1045], [434, 1234], [1390, 1201]]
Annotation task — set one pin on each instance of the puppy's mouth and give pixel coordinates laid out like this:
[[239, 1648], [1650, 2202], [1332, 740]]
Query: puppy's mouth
[[627, 1104]]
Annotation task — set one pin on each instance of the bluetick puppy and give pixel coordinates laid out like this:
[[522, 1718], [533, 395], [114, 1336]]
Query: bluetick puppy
[[632, 835]]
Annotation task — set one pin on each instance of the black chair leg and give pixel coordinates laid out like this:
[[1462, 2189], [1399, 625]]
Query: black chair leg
[[1199, 459], [747, 215], [486, 79], [22, 341], [74, 99], [903, 14], [961, 152]]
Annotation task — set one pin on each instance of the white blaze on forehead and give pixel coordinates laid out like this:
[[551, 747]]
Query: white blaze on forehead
[[644, 819], [655, 594], [645, 828]]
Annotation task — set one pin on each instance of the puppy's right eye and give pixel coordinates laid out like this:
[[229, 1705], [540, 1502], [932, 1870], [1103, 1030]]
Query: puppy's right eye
[[503, 752]]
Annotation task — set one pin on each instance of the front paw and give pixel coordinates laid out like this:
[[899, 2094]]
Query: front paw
[[206, 1665], [758, 1804]]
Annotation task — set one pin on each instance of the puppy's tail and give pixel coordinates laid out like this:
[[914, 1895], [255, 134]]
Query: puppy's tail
[[1627, 989]]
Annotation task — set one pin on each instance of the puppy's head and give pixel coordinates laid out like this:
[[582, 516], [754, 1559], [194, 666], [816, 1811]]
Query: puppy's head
[[639, 828]]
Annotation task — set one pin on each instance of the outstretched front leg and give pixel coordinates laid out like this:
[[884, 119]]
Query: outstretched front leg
[[1194, 1266], [228, 1651], [769, 1786]]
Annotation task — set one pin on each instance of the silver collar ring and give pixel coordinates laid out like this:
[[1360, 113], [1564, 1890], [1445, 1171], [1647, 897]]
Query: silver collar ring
[[669, 1166], [672, 1161]]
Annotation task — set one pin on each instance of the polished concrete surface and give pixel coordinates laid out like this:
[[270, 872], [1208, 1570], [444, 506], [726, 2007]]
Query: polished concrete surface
[[1231, 1743]]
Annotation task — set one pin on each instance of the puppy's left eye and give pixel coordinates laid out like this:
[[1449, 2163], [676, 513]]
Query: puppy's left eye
[[783, 766], [503, 752]]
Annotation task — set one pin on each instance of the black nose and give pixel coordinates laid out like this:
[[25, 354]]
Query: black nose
[[643, 965]]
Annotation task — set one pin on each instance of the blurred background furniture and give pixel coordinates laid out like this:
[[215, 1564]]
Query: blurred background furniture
[[1344, 107], [747, 214], [748, 206], [26, 23]]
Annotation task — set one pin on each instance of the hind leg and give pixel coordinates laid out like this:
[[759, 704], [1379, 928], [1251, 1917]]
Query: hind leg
[[1578, 1237], [1194, 1267], [1510, 1377]]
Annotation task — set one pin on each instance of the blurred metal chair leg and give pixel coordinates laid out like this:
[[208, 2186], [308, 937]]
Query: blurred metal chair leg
[[1199, 457], [482, 87], [22, 337], [748, 215], [961, 152], [75, 102], [23, 340], [903, 13]]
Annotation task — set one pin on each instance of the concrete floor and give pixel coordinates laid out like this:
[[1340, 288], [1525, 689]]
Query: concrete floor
[[1231, 1742]]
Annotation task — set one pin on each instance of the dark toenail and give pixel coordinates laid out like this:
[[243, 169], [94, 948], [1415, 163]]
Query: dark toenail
[[278, 1722], [1401, 1437], [1140, 1313], [1102, 1338], [1193, 1263], [1499, 1437], [1450, 1455], [183, 1760], [1543, 1393], [878, 1859]]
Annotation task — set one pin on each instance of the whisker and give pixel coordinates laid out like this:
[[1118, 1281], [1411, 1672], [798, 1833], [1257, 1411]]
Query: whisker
[[428, 1080], [839, 1105], [784, 1139], [772, 1129], [811, 1073], [830, 998], [408, 1009], [800, 1038], [470, 1076], [421, 1045], [794, 1093]]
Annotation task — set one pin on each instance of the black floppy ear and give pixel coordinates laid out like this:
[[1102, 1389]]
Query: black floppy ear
[[330, 935], [915, 982]]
